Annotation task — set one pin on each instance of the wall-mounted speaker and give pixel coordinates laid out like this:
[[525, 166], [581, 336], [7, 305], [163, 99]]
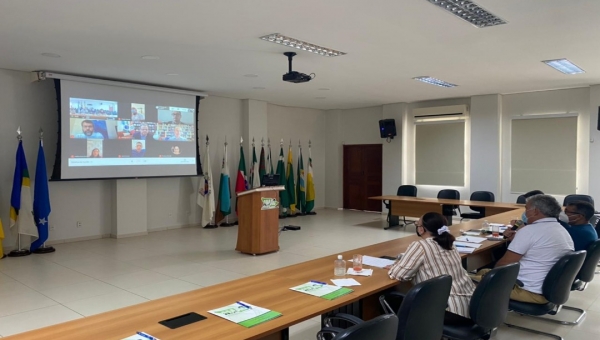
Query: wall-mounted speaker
[[387, 128]]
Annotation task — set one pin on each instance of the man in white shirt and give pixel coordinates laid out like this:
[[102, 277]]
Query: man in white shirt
[[537, 247]]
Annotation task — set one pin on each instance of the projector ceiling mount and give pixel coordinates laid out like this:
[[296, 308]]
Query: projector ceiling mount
[[293, 76]]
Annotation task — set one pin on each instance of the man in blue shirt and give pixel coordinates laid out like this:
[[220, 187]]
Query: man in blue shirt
[[138, 151], [581, 230]]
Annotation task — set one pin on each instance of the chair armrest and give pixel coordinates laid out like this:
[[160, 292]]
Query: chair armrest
[[332, 331], [386, 203], [395, 294], [343, 317]]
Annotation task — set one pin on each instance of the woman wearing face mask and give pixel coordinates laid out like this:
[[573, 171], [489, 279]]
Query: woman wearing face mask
[[433, 256]]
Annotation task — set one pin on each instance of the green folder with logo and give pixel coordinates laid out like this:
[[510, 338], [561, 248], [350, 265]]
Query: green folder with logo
[[245, 314]]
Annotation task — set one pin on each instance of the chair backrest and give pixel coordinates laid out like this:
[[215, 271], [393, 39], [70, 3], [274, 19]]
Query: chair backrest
[[421, 314], [484, 196], [489, 303], [523, 198], [449, 194], [382, 327], [586, 273], [407, 190], [574, 198], [560, 278]]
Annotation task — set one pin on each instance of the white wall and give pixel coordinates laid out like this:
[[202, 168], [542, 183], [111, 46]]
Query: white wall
[[485, 169], [594, 152]]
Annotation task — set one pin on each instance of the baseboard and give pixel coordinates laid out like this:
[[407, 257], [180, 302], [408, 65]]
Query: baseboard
[[174, 227], [143, 233]]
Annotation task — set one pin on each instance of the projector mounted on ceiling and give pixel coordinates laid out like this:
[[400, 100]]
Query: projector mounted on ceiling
[[293, 76]]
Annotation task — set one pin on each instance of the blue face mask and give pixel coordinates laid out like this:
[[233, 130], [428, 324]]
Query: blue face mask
[[524, 218]]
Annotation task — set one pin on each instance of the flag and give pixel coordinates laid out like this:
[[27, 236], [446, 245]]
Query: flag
[[270, 168], [290, 188], [310, 185], [21, 207], [255, 179], [224, 191], [284, 197], [300, 189], [1, 239], [262, 171], [206, 192], [241, 183], [41, 199]]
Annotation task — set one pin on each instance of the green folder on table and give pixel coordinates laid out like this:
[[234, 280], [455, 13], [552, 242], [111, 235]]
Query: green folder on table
[[245, 314], [322, 290]]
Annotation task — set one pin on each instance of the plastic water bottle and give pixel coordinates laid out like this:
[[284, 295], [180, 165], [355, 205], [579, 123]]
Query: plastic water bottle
[[485, 226], [339, 266]]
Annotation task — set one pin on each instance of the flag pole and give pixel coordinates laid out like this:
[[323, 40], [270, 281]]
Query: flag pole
[[20, 251], [44, 249], [310, 160], [226, 223], [210, 225]]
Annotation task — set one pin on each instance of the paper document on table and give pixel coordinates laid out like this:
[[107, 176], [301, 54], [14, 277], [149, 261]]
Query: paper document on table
[[322, 290], [364, 272], [141, 337], [245, 314], [459, 244], [376, 261], [345, 282], [470, 239], [465, 250]]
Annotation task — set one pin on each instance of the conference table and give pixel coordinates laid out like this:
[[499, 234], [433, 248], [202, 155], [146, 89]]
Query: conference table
[[417, 206], [268, 289]]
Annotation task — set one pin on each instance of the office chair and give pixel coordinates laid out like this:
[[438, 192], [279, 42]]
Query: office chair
[[574, 198], [450, 194], [382, 327], [421, 314], [484, 196], [488, 306], [523, 198], [556, 288], [403, 190]]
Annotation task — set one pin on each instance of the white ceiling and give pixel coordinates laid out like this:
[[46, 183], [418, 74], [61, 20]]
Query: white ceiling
[[211, 44]]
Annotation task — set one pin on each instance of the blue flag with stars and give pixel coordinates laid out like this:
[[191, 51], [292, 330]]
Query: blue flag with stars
[[41, 199]]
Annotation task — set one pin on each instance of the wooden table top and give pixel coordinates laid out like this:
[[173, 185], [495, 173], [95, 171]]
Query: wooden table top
[[269, 290], [447, 201]]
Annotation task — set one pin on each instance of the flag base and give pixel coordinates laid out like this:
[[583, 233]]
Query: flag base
[[3, 256], [44, 250], [225, 224], [210, 226], [300, 214], [311, 213], [236, 223], [19, 253], [292, 215], [282, 217]]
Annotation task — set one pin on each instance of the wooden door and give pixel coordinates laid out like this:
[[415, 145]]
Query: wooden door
[[362, 176]]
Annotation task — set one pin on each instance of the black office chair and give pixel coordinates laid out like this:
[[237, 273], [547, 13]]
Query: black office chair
[[403, 190], [449, 194], [484, 196], [574, 198], [556, 289], [382, 327], [422, 311], [488, 306], [523, 198]]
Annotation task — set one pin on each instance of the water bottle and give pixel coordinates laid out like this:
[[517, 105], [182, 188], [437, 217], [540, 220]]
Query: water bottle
[[339, 266], [485, 226]]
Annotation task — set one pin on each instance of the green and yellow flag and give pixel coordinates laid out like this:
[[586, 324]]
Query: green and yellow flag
[[310, 185], [290, 188], [1, 239], [300, 189], [21, 204], [284, 197]]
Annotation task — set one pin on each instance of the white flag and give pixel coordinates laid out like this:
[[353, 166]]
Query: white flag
[[206, 193]]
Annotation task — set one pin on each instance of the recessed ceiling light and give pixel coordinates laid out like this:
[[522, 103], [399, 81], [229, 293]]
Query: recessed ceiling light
[[564, 66], [301, 45], [470, 12], [434, 81], [324, 89], [51, 55], [251, 75], [258, 88], [172, 74], [320, 97], [150, 57]]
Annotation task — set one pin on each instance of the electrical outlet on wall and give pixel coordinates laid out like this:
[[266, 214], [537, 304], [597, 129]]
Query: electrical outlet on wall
[[79, 224]]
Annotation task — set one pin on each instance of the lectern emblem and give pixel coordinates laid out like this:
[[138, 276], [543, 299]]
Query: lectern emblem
[[269, 203]]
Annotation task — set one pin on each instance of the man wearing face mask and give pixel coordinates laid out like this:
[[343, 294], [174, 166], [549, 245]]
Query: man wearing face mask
[[579, 227], [537, 247]]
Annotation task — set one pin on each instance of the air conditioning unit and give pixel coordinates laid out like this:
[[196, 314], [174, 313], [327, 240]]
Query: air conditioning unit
[[452, 111]]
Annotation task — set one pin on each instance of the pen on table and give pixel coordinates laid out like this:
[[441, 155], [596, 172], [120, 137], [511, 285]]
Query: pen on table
[[319, 282], [145, 335], [243, 305], [467, 239], [461, 246]]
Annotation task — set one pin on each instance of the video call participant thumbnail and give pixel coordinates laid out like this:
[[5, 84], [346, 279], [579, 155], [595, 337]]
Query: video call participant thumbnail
[[88, 131], [142, 134], [138, 150], [137, 112], [95, 153]]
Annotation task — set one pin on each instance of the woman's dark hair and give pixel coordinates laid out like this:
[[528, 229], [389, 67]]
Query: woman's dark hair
[[433, 221]]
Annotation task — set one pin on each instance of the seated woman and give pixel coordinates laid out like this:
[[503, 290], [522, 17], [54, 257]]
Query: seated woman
[[433, 256]]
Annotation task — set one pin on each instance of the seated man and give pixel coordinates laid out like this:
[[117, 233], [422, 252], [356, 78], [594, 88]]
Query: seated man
[[581, 230], [537, 247]]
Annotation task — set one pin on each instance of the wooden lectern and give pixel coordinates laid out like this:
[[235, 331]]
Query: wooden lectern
[[258, 218]]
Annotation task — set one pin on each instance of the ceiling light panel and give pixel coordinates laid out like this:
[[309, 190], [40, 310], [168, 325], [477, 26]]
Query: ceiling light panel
[[301, 45], [564, 66], [470, 12], [434, 81]]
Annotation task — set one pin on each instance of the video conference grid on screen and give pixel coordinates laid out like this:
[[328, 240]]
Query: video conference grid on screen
[[104, 133]]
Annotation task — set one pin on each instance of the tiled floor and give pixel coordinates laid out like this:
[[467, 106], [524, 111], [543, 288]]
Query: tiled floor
[[91, 277]]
